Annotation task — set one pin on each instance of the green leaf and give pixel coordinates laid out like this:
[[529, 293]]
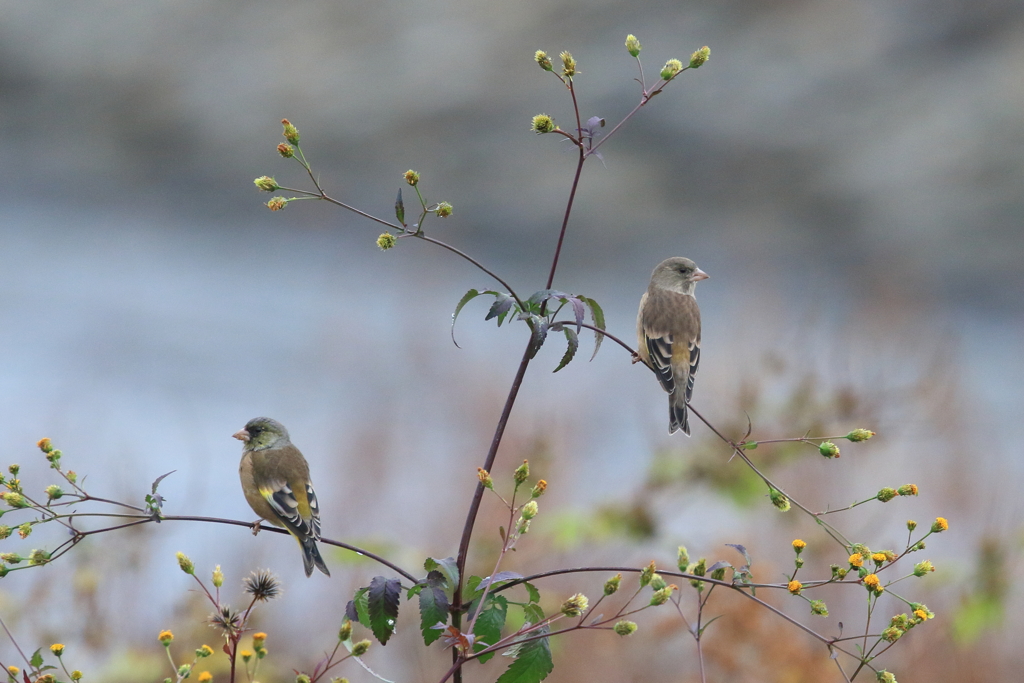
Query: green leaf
[[532, 591], [466, 298], [400, 208], [597, 317], [499, 309], [533, 661], [447, 566], [383, 607], [533, 613], [708, 623], [37, 659], [570, 350], [471, 584], [487, 627], [356, 609], [433, 607], [539, 329]]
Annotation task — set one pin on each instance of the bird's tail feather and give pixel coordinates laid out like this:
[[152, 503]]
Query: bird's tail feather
[[311, 557], [678, 418]]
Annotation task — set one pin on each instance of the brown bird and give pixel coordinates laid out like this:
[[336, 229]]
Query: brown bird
[[275, 481], [668, 333]]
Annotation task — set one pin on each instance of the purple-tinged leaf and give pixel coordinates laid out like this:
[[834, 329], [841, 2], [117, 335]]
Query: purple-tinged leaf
[[382, 606]]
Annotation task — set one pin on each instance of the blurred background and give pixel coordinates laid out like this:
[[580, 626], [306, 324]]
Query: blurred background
[[849, 173]]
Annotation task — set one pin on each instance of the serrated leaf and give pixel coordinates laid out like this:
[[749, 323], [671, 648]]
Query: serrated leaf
[[488, 625], [539, 332], [537, 298], [533, 613], [383, 607], [446, 566], [357, 607], [532, 591], [37, 659], [573, 343], [472, 583], [533, 661], [596, 317], [433, 607], [577, 310], [500, 307]]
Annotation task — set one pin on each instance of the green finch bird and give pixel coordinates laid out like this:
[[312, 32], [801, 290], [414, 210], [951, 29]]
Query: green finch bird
[[275, 481], [668, 333]]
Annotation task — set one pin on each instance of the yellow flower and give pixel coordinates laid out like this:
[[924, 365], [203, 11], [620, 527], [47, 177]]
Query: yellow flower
[[799, 545], [13, 670], [856, 560], [795, 587], [246, 655], [57, 649], [921, 614], [165, 637], [258, 638], [872, 583], [940, 524], [878, 558], [205, 677]]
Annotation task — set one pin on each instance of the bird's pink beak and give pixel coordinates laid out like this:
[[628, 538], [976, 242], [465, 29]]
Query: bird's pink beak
[[241, 435], [699, 275]]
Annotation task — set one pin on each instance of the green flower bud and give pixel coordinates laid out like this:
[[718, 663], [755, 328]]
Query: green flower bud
[[682, 558], [625, 628], [543, 60], [266, 184], [779, 500], [671, 68], [575, 606], [886, 494], [646, 574], [612, 584], [542, 123], [922, 568], [568, 64], [632, 45], [291, 133], [829, 449], [860, 435], [386, 241], [185, 563], [699, 57], [891, 634]]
